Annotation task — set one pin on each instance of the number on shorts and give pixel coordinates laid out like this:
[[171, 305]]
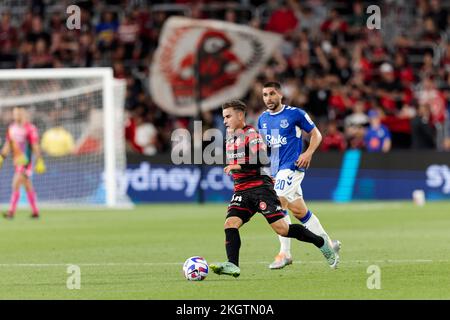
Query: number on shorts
[[279, 185]]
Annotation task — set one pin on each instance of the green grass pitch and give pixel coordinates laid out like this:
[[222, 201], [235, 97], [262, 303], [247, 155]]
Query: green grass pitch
[[138, 254]]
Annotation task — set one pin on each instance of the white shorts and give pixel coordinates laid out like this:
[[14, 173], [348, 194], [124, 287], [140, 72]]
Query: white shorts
[[288, 184]]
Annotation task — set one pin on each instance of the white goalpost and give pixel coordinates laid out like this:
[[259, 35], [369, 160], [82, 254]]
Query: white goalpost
[[79, 113]]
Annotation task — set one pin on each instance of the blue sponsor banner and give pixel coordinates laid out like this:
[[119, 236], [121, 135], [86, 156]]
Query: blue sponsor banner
[[388, 184], [146, 182], [400, 184], [320, 184], [377, 177]]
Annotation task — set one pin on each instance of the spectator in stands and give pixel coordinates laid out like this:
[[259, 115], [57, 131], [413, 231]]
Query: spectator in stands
[[308, 20], [427, 69], [282, 20], [333, 139], [378, 137], [298, 64], [56, 22], [363, 68], [403, 70], [430, 34], [423, 133], [357, 20], [8, 38], [354, 126], [389, 89], [106, 32], [26, 23], [40, 56], [377, 50], [68, 49], [438, 14], [85, 54], [148, 31], [128, 32], [433, 97], [318, 96], [340, 67], [37, 31], [23, 53], [338, 103], [336, 26], [358, 118]]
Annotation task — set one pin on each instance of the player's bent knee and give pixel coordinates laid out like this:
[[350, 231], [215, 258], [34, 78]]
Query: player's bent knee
[[298, 214], [280, 227], [232, 222], [298, 209]]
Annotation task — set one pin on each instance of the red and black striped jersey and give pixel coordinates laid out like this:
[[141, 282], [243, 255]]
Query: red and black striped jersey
[[246, 148]]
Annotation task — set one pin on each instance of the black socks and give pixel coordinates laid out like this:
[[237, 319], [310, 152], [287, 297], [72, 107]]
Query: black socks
[[299, 232], [232, 245]]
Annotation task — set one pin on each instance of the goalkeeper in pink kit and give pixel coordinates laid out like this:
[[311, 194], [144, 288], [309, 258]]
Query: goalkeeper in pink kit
[[22, 140]]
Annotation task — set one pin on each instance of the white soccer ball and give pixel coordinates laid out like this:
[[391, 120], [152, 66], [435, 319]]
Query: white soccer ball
[[195, 268]]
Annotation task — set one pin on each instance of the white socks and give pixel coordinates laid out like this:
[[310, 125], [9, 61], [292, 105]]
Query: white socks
[[313, 225], [286, 242]]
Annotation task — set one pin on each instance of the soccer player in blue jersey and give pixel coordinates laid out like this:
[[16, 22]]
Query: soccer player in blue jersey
[[281, 126]]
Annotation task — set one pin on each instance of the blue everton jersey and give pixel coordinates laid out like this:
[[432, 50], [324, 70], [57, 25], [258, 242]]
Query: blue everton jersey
[[282, 134]]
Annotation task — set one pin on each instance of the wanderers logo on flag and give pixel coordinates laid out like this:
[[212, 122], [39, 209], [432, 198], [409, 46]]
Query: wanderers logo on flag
[[227, 57]]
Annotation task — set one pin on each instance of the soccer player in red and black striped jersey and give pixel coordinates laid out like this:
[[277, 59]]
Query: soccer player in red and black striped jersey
[[248, 163]]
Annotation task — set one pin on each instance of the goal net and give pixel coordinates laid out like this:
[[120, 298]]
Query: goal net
[[79, 114]]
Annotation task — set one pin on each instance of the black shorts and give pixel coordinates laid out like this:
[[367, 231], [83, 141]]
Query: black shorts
[[245, 204]]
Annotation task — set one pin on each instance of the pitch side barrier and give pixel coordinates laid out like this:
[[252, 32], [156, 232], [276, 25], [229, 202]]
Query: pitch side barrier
[[333, 176]]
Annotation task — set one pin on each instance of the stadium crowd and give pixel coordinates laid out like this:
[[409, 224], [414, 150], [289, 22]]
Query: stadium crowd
[[348, 77]]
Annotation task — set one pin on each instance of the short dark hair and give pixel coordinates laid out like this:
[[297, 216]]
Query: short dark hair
[[272, 84], [235, 104]]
